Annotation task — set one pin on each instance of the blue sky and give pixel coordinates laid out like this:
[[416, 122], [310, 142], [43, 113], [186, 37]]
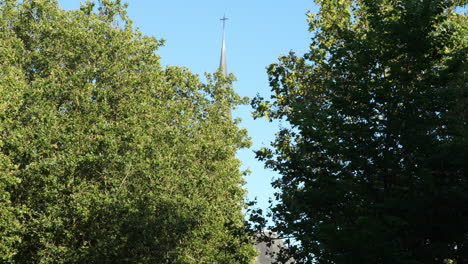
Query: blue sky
[[257, 32]]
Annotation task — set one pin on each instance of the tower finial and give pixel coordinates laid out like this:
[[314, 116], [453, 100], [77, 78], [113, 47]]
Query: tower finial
[[224, 21], [222, 63]]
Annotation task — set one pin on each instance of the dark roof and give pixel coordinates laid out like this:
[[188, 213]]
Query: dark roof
[[264, 255]]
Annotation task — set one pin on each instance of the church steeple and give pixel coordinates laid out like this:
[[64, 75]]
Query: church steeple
[[222, 62]]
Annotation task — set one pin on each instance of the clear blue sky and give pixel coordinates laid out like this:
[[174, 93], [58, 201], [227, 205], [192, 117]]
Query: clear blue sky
[[257, 32]]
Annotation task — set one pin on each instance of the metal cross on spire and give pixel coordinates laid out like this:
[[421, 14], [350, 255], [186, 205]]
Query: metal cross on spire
[[224, 21], [222, 63]]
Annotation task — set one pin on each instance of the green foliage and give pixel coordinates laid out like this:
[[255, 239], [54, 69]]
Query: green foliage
[[105, 156], [374, 163]]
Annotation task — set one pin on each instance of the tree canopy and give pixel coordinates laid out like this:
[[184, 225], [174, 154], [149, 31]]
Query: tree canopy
[[105, 155], [373, 165]]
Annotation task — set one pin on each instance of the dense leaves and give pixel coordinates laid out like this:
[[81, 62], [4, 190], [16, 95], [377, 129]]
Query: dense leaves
[[105, 156], [373, 166]]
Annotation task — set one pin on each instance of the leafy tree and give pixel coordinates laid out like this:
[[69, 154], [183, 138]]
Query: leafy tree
[[107, 157], [373, 165]]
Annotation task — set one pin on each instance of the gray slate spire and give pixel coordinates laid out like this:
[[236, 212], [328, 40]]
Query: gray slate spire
[[222, 62]]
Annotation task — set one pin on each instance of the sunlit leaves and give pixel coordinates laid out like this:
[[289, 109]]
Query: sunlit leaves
[[106, 156]]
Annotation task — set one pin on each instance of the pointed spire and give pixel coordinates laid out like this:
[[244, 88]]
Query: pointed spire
[[222, 62]]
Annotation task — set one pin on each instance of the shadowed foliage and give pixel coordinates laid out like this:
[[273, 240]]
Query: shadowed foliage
[[373, 166]]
